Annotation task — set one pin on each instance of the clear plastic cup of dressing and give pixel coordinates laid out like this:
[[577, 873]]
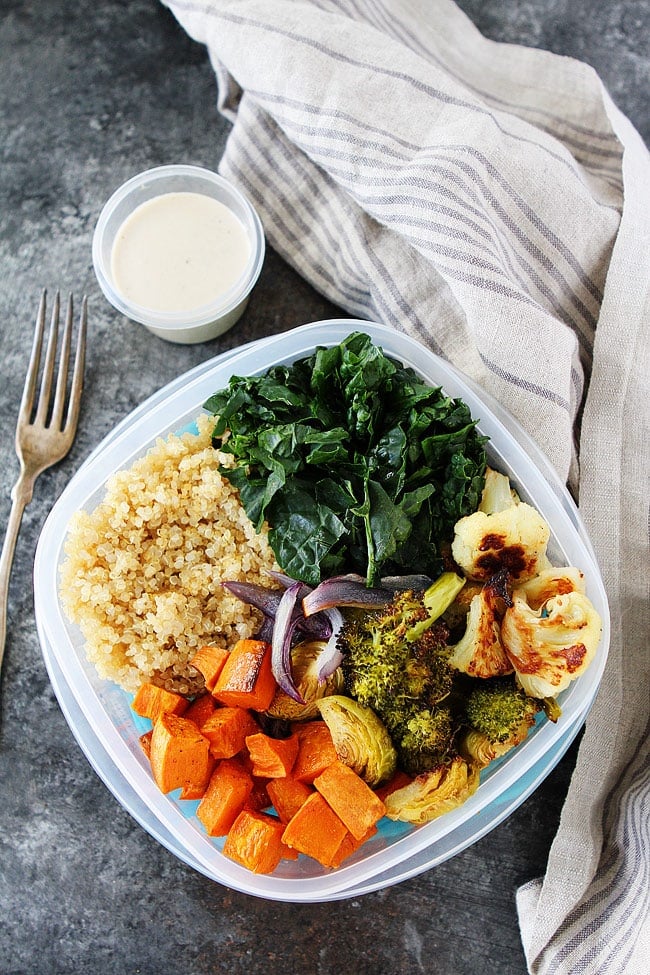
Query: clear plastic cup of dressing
[[179, 250]]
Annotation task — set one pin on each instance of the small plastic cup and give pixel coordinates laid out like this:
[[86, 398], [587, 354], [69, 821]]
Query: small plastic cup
[[199, 324]]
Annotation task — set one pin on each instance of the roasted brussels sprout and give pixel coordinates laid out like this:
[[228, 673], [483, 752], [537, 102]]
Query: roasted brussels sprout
[[498, 716], [360, 738], [434, 793], [304, 657]]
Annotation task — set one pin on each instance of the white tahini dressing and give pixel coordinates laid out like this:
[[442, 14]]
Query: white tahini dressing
[[179, 251]]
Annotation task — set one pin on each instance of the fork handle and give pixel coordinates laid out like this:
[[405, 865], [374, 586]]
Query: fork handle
[[20, 497]]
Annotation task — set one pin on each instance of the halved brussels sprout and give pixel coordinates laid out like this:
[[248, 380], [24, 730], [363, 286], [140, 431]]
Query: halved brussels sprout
[[360, 738], [434, 793], [304, 669]]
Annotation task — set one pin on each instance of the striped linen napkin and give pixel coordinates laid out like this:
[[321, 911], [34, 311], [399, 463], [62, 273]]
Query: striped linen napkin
[[491, 201]]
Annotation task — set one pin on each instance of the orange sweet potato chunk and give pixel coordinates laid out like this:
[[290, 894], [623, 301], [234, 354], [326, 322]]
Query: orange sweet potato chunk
[[200, 709], [315, 830], [398, 781], [145, 743], [227, 792], [255, 841], [180, 756], [350, 845], [226, 730], [272, 758], [259, 799], [350, 797], [151, 701], [315, 751], [209, 661], [246, 679], [287, 796]]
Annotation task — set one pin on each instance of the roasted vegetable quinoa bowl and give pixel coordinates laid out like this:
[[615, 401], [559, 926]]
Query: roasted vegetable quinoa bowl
[[142, 572], [109, 554]]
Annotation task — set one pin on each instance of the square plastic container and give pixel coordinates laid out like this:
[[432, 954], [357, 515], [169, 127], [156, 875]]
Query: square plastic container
[[107, 730], [196, 324]]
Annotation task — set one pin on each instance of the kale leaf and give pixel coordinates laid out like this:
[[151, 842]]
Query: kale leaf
[[354, 462]]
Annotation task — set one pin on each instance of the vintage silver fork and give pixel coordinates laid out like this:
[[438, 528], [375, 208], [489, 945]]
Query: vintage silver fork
[[46, 427]]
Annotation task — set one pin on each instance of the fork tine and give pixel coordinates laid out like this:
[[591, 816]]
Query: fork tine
[[27, 401], [62, 376], [78, 372], [48, 367]]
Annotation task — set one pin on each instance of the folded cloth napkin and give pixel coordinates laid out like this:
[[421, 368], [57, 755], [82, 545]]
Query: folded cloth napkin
[[491, 201]]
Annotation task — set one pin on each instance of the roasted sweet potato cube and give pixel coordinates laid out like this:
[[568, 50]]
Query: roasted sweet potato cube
[[209, 661], [227, 792], [200, 709], [287, 796], [180, 756], [272, 758], [246, 680], [350, 845], [315, 751], [397, 781], [350, 797], [315, 830], [145, 743], [255, 841], [226, 730], [151, 701]]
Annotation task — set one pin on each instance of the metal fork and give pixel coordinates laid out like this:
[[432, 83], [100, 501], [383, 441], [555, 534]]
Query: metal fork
[[46, 427]]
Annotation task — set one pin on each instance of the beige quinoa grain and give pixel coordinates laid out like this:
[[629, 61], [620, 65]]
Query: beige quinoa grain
[[142, 572]]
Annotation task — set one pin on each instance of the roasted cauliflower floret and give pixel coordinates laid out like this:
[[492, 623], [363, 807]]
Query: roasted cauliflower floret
[[497, 493], [553, 644], [552, 582], [480, 652], [434, 793], [513, 540]]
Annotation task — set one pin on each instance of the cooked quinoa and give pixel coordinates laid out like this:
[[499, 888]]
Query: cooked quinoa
[[142, 572]]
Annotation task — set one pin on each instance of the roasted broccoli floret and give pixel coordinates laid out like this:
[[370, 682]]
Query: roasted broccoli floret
[[426, 739], [498, 707], [388, 665], [395, 662]]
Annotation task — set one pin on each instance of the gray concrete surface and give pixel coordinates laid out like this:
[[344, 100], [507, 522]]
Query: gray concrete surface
[[90, 93]]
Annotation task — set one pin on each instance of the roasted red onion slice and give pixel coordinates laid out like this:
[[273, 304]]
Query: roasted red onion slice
[[266, 600], [284, 580], [401, 583], [330, 657], [346, 590], [285, 623]]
